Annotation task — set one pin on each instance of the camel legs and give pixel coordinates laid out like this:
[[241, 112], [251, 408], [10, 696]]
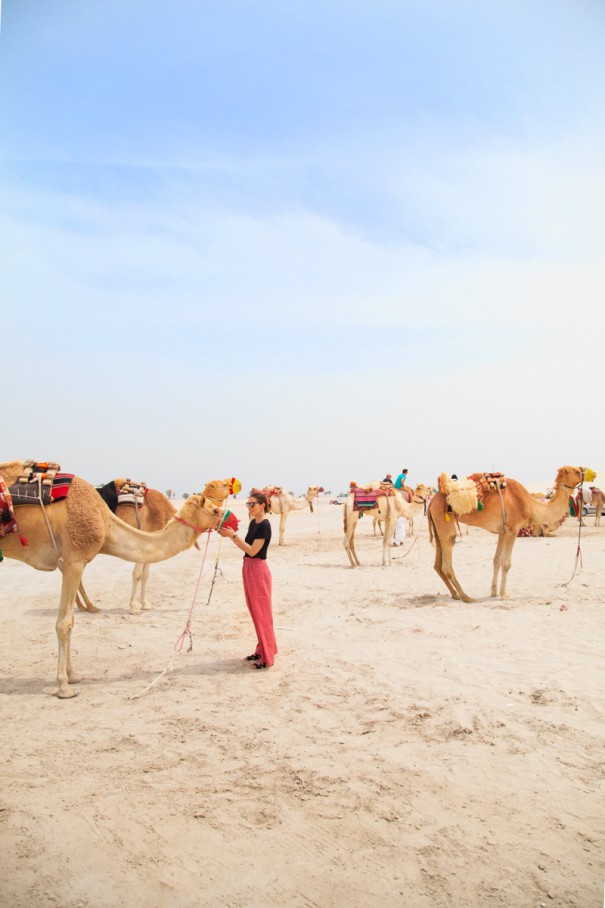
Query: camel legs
[[377, 522], [83, 602], [349, 540], [444, 547], [140, 574], [282, 527], [387, 538], [71, 577], [502, 562]]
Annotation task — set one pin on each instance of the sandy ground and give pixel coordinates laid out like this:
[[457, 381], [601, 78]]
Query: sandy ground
[[405, 749]]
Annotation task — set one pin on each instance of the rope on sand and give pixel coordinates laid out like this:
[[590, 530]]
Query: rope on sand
[[578, 550], [178, 646]]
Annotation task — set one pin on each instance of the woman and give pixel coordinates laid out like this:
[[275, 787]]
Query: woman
[[257, 577]]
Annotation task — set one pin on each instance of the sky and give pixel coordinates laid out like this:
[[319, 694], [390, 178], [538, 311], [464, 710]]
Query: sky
[[302, 243]]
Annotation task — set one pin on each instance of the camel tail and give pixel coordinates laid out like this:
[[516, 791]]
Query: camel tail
[[431, 527]]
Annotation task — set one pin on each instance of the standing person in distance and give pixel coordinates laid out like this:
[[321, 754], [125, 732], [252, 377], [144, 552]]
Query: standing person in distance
[[400, 525], [257, 577]]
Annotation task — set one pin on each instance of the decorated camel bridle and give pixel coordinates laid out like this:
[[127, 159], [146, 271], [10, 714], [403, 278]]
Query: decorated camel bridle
[[234, 487]]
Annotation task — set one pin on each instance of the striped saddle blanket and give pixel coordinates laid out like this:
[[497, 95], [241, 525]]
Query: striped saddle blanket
[[40, 483], [122, 492]]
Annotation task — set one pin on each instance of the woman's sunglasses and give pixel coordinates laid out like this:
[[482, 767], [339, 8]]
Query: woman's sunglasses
[[251, 504]]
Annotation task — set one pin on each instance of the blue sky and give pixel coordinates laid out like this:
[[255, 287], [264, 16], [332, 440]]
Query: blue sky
[[303, 243]]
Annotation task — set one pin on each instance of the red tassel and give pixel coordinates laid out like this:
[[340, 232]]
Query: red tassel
[[23, 540]]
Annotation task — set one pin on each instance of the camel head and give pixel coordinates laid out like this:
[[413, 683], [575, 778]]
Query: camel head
[[201, 511], [422, 491], [220, 489], [312, 493], [570, 477]]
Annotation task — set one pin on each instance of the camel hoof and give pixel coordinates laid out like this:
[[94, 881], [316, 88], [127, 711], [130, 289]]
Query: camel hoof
[[135, 611], [66, 692], [75, 679], [146, 607]]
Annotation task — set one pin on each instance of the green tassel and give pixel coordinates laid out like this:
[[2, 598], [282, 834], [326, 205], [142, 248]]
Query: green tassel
[[480, 506]]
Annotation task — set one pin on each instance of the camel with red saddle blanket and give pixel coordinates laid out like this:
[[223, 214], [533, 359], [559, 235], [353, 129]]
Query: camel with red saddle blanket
[[145, 509], [413, 503], [70, 532], [385, 503], [497, 504], [281, 502]]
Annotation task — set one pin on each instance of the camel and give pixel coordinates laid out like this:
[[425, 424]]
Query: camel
[[389, 506], [411, 508], [598, 500], [69, 533], [505, 511], [281, 502], [151, 516]]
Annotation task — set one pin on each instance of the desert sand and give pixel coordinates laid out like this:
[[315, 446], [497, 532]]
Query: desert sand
[[405, 749]]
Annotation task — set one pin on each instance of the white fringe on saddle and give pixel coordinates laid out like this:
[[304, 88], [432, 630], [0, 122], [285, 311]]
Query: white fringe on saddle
[[461, 494]]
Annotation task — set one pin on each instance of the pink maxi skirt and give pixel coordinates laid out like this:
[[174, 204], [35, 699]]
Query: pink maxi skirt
[[257, 589]]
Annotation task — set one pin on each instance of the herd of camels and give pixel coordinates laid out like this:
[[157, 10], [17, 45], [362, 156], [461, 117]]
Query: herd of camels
[[70, 533]]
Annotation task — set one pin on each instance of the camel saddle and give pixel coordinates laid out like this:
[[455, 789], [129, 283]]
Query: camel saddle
[[269, 491], [132, 493], [41, 482], [122, 492], [466, 495], [366, 499]]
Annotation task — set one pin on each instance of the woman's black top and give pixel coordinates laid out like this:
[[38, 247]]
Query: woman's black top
[[260, 530]]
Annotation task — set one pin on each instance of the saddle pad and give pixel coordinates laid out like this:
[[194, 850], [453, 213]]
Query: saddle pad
[[8, 524], [131, 498], [109, 495], [364, 501], [38, 490], [132, 493]]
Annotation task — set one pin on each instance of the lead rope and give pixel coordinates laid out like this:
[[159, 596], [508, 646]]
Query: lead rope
[[54, 541], [502, 506], [578, 550], [178, 646]]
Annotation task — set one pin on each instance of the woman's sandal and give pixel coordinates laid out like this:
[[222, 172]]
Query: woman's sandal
[[261, 665], [253, 657]]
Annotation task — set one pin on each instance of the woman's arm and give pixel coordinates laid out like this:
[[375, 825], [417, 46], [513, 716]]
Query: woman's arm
[[251, 550]]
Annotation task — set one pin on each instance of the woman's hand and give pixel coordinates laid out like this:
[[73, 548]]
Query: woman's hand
[[227, 531]]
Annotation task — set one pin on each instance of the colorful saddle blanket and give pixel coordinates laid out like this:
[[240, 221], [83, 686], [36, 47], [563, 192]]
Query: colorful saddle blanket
[[8, 524], [367, 499], [40, 483]]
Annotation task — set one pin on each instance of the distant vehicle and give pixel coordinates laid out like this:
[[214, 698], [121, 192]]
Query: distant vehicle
[[340, 498]]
